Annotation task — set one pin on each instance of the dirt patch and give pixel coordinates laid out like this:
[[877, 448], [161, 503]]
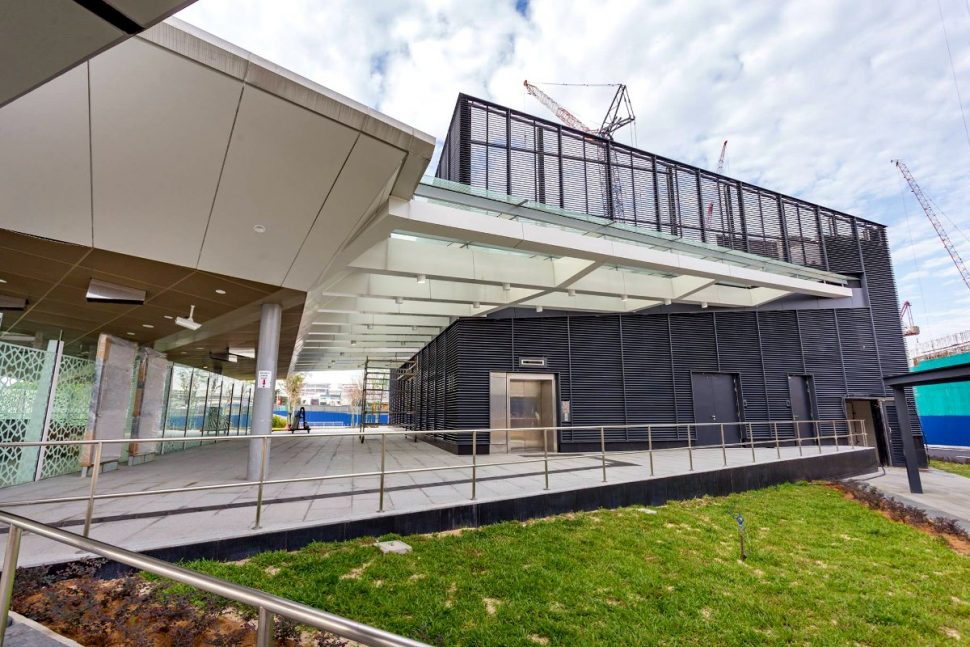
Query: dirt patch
[[947, 529], [539, 640], [133, 611], [355, 573], [491, 605]]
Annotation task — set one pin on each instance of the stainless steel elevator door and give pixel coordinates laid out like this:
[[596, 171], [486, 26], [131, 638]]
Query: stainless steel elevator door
[[530, 406]]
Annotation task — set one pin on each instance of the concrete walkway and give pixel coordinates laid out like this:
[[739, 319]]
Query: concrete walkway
[[157, 520], [24, 632], [944, 494]]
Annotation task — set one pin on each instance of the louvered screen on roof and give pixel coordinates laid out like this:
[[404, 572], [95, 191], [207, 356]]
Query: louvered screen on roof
[[493, 147]]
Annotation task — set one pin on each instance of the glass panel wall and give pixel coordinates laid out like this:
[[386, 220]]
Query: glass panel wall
[[203, 405]]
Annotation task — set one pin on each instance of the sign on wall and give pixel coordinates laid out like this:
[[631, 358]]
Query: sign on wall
[[263, 379]]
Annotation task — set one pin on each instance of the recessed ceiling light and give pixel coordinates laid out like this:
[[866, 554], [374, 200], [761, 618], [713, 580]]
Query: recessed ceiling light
[[220, 291], [538, 308], [422, 278], [199, 348], [130, 333], [3, 280], [147, 326], [259, 229], [169, 317]]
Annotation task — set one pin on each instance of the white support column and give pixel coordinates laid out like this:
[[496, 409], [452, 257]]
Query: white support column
[[267, 351]]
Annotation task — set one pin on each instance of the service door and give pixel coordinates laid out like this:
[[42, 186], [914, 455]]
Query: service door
[[716, 400], [800, 398]]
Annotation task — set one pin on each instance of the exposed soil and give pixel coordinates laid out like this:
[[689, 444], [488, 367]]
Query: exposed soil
[[132, 611]]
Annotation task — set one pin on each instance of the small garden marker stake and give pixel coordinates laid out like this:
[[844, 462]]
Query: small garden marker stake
[[741, 534]]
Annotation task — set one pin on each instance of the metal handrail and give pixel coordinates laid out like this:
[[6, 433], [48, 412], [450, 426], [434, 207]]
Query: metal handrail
[[269, 606], [850, 436]]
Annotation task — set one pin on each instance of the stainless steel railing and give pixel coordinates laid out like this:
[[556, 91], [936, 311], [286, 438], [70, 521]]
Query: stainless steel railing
[[850, 431], [268, 606]]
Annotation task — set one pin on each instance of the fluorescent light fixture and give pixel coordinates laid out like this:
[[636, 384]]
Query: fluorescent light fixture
[[259, 229], [220, 291], [17, 337], [12, 303], [188, 322], [243, 351], [103, 292], [147, 326]]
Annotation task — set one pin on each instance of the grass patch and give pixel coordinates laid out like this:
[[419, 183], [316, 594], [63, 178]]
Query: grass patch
[[953, 468], [822, 569]]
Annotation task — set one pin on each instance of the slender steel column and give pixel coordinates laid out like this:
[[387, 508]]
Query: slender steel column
[[266, 357], [909, 447]]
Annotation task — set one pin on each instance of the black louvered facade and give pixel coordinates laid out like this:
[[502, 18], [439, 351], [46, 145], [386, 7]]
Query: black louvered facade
[[636, 368]]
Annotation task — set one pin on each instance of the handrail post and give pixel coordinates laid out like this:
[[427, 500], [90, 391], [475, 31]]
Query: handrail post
[[774, 426], [264, 628], [650, 447], [96, 470], [723, 450], [545, 454], [690, 450], [6, 579], [475, 462], [603, 450], [380, 505], [259, 488], [835, 433], [798, 437], [818, 436], [751, 438]]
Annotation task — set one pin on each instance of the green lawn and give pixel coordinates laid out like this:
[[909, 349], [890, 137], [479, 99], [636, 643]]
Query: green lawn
[[955, 468], [823, 571]]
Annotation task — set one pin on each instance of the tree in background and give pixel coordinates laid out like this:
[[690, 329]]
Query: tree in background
[[294, 389]]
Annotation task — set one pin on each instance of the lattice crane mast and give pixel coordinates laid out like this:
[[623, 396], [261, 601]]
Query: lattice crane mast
[[924, 202], [561, 113], [720, 171]]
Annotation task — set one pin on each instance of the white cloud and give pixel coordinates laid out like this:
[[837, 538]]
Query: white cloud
[[815, 96]]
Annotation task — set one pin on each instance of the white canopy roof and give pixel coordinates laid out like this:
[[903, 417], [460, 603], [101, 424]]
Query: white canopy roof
[[453, 252]]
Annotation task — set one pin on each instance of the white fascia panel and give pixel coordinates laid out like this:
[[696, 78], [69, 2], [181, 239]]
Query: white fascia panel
[[45, 172], [160, 125], [280, 166], [363, 183]]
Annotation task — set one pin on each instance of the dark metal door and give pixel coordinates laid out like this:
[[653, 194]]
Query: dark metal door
[[800, 400], [716, 400]]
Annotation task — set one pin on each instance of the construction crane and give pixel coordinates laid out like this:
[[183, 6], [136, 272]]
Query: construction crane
[[720, 171], [910, 329], [924, 202], [613, 120]]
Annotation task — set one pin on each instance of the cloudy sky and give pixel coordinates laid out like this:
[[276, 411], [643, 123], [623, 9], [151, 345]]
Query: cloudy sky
[[815, 96]]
